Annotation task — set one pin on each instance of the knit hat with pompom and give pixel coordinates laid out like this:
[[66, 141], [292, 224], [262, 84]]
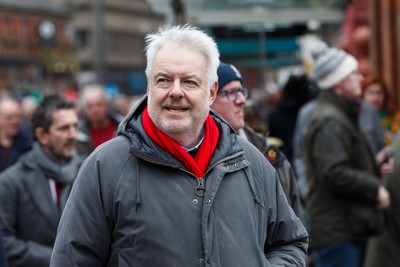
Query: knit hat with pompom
[[331, 65]]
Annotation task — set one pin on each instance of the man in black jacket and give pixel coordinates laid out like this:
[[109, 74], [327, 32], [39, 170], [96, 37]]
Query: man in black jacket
[[343, 177]]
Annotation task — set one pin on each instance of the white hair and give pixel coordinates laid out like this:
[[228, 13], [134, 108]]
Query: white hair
[[188, 35], [88, 89]]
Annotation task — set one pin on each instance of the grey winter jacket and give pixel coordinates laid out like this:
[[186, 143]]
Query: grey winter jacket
[[28, 215], [133, 204]]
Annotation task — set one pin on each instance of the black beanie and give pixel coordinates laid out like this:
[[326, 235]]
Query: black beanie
[[227, 73]]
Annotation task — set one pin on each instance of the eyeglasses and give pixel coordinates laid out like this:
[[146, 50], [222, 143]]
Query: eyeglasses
[[232, 94]]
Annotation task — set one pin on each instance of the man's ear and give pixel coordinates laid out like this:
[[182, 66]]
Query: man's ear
[[338, 88], [41, 135], [213, 92]]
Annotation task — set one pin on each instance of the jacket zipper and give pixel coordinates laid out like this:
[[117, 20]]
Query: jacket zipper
[[200, 189]]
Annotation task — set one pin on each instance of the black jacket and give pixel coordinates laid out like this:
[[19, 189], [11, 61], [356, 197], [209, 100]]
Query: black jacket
[[341, 169], [285, 171]]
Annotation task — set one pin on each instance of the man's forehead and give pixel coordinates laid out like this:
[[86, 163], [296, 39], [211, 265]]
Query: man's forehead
[[8, 104], [59, 115]]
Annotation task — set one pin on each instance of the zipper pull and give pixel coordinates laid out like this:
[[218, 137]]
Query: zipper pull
[[200, 189]]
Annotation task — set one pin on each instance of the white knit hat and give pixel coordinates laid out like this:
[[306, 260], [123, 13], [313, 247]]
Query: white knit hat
[[331, 65]]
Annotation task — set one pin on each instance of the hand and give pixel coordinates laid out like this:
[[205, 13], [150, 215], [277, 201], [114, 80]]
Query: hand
[[383, 155], [387, 167], [383, 198]]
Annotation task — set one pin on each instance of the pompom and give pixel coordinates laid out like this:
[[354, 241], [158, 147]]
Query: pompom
[[318, 48]]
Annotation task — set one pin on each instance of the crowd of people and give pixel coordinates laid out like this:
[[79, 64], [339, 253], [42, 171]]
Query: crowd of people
[[182, 178]]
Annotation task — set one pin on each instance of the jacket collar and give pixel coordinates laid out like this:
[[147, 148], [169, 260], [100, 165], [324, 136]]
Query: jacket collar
[[42, 168], [350, 108], [143, 147], [64, 173]]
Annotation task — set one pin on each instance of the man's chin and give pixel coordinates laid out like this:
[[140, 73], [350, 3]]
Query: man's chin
[[68, 155]]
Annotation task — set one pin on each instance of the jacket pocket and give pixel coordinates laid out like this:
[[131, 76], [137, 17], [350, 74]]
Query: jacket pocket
[[365, 220]]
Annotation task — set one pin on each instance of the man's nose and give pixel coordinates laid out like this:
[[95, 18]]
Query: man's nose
[[240, 98], [176, 88]]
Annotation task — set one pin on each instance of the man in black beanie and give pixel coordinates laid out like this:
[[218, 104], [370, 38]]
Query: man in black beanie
[[230, 103]]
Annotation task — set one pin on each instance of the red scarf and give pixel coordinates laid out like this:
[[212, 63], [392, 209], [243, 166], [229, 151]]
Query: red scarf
[[199, 163]]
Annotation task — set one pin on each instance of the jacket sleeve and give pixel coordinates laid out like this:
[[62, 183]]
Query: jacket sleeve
[[287, 239], [83, 236], [19, 252], [292, 191], [335, 165]]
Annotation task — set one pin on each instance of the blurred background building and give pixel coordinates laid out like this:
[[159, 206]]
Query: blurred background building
[[265, 38], [63, 44], [109, 37], [35, 44]]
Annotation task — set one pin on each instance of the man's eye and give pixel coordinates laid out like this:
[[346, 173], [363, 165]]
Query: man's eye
[[161, 80], [231, 92], [190, 82]]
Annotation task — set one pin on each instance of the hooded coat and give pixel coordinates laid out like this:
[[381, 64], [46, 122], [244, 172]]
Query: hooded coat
[[134, 204]]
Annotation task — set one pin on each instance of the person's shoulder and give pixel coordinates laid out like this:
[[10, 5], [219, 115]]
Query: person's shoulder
[[116, 144], [23, 140], [116, 118], [112, 150], [260, 168], [254, 137], [14, 174], [323, 112], [254, 155], [246, 145], [307, 107], [248, 130], [83, 125], [275, 156], [25, 134]]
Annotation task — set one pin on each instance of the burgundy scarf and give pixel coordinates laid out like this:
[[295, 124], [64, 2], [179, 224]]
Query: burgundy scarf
[[198, 164]]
